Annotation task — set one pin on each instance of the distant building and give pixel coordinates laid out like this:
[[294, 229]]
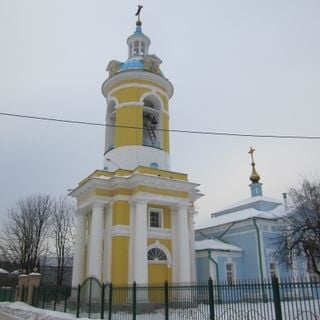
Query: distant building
[[241, 239]]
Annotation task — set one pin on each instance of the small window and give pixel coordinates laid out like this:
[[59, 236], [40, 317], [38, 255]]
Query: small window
[[154, 165], [230, 273], [155, 218], [142, 48], [136, 48]]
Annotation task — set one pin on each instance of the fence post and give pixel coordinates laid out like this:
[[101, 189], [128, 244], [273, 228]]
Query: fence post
[[90, 295], [78, 301], [34, 293], [102, 302], [211, 300], [23, 281], [134, 300], [34, 281], [38, 297], [55, 298], [65, 299], [166, 300], [43, 296], [276, 298], [110, 301], [22, 294]]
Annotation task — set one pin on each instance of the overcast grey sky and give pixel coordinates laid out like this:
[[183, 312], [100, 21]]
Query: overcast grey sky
[[237, 66]]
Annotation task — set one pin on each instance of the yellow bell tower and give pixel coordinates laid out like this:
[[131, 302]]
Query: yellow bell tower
[[137, 117], [135, 217]]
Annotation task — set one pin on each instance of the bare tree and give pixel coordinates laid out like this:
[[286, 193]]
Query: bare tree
[[24, 232], [301, 234], [62, 231]]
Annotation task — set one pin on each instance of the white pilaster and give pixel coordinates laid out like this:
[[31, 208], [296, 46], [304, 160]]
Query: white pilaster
[[140, 244], [184, 244], [96, 238], [79, 251]]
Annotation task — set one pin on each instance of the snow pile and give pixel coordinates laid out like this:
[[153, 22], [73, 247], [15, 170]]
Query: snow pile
[[23, 311]]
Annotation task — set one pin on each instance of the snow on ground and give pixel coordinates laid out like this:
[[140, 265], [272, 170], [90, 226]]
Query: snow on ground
[[300, 310], [20, 310]]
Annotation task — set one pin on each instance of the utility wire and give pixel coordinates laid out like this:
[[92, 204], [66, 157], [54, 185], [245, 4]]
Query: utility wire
[[212, 133]]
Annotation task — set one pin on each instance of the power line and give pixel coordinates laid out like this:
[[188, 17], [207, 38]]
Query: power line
[[213, 133]]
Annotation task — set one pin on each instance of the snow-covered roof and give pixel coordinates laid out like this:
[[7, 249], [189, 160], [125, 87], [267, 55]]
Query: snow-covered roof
[[216, 245], [244, 214], [3, 271], [250, 201]]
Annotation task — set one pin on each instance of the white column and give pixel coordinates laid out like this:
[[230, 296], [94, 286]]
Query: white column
[[79, 250], [192, 246], [140, 244], [184, 244], [175, 245], [132, 241], [107, 244], [96, 238]]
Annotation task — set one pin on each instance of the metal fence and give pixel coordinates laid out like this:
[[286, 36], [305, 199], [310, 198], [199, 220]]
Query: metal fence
[[241, 300], [7, 294]]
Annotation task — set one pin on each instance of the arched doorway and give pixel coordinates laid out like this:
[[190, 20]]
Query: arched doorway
[[159, 266]]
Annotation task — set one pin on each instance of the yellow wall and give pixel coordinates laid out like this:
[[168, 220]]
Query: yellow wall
[[165, 134], [130, 94], [131, 117], [164, 101], [132, 81], [121, 213], [120, 260], [158, 273]]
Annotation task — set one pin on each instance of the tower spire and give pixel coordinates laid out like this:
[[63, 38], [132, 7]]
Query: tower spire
[[256, 186]]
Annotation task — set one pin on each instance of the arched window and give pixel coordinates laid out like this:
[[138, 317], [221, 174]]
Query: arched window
[[152, 137], [110, 121], [136, 48], [157, 254]]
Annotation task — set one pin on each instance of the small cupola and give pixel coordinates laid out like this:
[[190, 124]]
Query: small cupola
[[255, 186], [138, 43]]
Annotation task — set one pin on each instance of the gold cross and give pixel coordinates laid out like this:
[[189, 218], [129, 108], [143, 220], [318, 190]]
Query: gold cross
[[138, 12], [251, 151]]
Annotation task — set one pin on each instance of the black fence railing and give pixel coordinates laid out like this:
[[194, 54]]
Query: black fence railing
[[245, 300], [7, 294]]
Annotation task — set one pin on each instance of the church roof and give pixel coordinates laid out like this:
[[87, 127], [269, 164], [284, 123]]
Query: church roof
[[133, 63], [216, 245], [257, 207], [261, 202]]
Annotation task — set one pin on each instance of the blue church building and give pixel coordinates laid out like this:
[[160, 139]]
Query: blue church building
[[240, 241]]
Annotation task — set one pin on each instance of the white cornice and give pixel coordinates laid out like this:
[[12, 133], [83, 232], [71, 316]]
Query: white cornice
[[154, 89], [137, 75], [136, 180], [159, 233]]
